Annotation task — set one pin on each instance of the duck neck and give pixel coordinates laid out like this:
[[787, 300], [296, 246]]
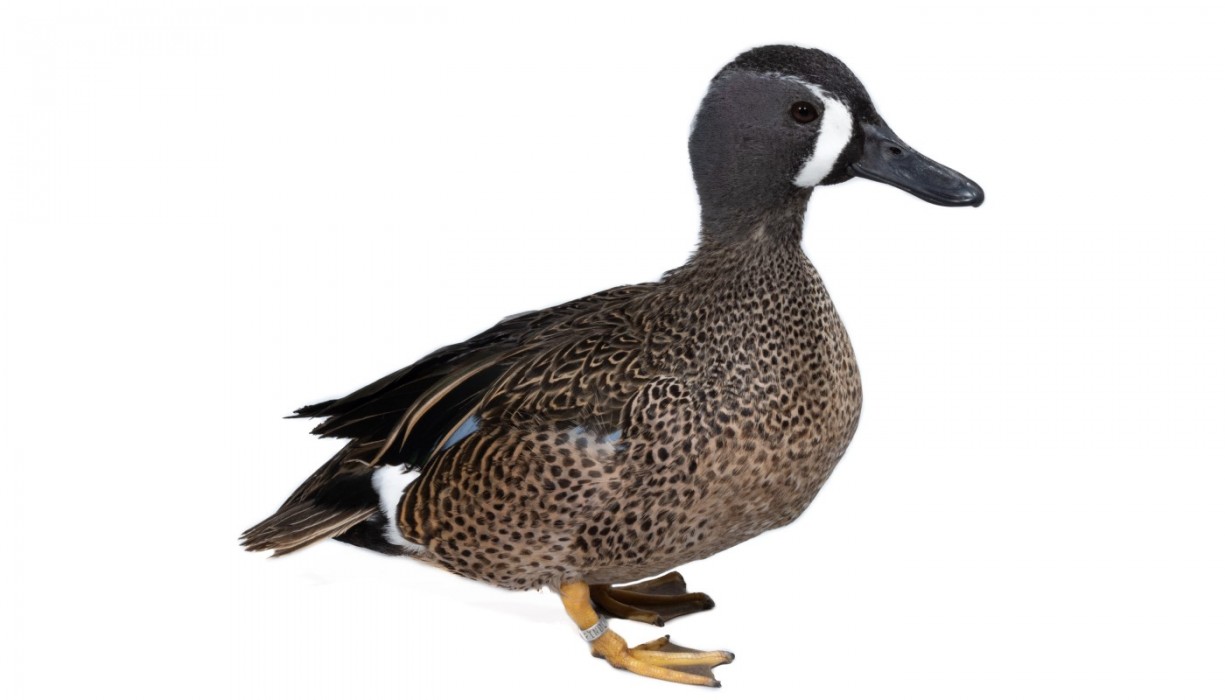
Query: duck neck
[[748, 252], [729, 223], [749, 286]]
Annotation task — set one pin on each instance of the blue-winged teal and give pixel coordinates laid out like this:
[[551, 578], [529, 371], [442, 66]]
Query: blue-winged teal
[[618, 436]]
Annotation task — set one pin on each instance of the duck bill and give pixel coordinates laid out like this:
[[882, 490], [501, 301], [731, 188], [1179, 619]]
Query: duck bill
[[888, 159]]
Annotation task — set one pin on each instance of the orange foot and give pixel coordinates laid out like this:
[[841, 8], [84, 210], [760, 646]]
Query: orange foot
[[657, 659]]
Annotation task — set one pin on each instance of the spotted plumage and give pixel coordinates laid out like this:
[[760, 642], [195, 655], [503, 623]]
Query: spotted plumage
[[626, 433]]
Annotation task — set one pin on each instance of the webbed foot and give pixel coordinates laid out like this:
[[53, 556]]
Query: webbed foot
[[653, 602], [656, 659]]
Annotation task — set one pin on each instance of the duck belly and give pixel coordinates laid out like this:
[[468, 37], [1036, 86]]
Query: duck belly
[[748, 487]]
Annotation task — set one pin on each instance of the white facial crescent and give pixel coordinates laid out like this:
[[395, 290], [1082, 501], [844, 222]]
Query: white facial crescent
[[832, 137]]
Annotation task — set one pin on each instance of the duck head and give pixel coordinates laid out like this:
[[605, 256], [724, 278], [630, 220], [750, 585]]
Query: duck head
[[781, 120]]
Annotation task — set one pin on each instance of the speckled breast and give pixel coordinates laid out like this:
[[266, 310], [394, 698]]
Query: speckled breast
[[777, 406]]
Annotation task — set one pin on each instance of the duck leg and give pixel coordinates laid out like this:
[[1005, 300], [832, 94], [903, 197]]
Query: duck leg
[[653, 602], [656, 659]]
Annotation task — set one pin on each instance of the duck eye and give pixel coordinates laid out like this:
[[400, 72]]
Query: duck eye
[[803, 112]]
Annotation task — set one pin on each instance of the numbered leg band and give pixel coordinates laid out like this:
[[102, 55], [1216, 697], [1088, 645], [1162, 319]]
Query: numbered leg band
[[593, 632]]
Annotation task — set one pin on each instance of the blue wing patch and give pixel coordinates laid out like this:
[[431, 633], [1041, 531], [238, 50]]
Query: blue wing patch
[[465, 429]]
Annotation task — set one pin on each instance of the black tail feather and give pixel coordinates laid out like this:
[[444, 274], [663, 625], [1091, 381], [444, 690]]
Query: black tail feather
[[296, 526]]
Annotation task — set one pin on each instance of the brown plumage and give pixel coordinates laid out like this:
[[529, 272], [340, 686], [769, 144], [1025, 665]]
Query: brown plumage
[[626, 433], [731, 381]]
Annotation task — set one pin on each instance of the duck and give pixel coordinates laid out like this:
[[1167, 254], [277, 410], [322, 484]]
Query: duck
[[594, 447]]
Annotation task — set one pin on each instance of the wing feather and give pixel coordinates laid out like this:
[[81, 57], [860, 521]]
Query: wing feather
[[530, 366]]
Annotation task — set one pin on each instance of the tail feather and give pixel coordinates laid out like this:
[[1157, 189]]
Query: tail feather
[[298, 525]]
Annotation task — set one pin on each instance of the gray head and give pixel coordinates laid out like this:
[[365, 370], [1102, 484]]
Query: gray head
[[781, 120]]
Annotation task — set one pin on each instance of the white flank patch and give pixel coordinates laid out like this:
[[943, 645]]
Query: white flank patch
[[837, 125], [390, 483]]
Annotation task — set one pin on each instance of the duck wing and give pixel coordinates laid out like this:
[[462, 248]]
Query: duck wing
[[408, 415]]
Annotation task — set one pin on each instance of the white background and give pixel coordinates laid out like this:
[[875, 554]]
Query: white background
[[213, 213]]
